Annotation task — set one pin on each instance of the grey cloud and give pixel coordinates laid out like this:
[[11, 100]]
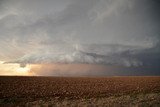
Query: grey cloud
[[118, 55], [110, 32]]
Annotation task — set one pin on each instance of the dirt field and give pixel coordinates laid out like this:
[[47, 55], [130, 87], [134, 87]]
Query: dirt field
[[79, 91]]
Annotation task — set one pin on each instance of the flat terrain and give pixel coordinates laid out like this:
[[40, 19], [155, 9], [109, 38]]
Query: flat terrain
[[67, 91]]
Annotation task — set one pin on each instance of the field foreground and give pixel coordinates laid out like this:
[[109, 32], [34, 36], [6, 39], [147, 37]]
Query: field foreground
[[79, 91]]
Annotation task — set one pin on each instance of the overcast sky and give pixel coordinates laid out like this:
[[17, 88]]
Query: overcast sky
[[123, 33]]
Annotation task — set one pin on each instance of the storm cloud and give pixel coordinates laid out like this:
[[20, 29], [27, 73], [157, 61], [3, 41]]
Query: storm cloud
[[105, 32]]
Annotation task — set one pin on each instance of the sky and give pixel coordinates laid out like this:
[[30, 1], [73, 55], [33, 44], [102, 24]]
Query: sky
[[80, 37]]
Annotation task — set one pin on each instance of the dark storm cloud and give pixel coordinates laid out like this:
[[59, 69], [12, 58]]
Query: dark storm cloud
[[109, 32]]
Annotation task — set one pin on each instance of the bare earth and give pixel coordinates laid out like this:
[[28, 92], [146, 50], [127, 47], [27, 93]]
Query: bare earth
[[80, 91]]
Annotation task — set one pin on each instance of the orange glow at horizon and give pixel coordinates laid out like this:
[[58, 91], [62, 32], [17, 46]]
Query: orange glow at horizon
[[53, 69], [14, 69], [69, 69]]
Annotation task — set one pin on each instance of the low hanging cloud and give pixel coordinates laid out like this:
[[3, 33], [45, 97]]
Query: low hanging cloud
[[117, 55]]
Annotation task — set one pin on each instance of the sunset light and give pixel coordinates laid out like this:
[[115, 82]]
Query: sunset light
[[23, 70], [14, 69]]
